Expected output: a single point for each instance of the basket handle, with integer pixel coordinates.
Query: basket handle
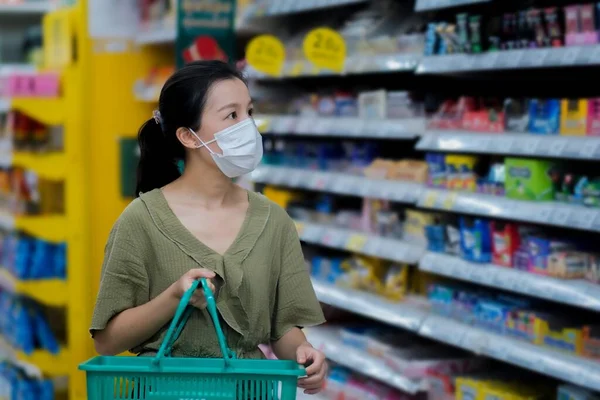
(182, 315)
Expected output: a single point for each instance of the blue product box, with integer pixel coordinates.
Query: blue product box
(544, 116)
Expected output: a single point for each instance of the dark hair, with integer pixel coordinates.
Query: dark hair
(180, 104)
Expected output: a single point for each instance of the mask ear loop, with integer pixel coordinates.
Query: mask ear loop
(203, 143)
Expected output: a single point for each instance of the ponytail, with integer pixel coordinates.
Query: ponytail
(181, 103)
(157, 166)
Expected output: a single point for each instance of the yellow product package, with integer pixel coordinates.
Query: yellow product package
(362, 273)
(395, 285)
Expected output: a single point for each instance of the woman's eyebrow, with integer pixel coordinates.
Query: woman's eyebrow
(230, 105)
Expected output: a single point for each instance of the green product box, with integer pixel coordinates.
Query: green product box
(529, 179)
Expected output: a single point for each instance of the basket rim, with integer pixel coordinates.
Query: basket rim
(149, 367)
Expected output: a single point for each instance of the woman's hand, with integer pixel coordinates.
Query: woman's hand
(316, 368)
(185, 283)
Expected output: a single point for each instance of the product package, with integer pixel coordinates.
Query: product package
(544, 116)
(528, 179)
(574, 117)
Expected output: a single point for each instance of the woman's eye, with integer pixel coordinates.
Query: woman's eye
(250, 112)
(233, 115)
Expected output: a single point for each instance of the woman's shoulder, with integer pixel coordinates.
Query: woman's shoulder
(135, 215)
(276, 212)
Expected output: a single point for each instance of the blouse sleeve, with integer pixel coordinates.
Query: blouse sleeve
(124, 281)
(296, 303)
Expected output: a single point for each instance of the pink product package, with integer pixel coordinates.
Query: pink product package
(593, 122)
(580, 25)
(33, 85)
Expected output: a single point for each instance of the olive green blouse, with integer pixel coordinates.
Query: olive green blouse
(264, 288)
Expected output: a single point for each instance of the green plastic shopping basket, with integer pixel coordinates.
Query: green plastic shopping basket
(167, 378)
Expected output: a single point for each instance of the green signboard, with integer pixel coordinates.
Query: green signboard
(205, 30)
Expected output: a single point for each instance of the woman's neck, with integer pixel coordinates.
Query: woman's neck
(204, 186)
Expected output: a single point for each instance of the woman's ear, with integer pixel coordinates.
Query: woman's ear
(187, 138)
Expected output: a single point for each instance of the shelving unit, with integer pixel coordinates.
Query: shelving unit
(351, 185)
(341, 126)
(414, 314)
(576, 370)
(29, 7)
(63, 28)
(326, 339)
(518, 144)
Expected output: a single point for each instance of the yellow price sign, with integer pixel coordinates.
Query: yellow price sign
(356, 242)
(325, 48)
(430, 199)
(449, 201)
(266, 54)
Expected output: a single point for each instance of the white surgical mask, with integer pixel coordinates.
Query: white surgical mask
(241, 145)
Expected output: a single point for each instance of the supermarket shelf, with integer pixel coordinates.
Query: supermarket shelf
(546, 361)
(400, 315)
(51, 365)
(275, 8)
(542, 360)
(156, 35)
(358, 242)
(50, 111)
(27, 7)
(519, 144)
(382, 63)
(512, 59)
(427, 5)
(51, 228)
(407, 192)
(409, 128)
(376, 63)
(50, 292)
(327, 340)
(47, 165)
(547, 213)
(577, 293)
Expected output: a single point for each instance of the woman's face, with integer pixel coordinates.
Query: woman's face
(228, 102)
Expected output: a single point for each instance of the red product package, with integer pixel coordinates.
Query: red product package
(204, 48)
(505, 242)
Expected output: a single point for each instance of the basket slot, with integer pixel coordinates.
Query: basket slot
(160, 386)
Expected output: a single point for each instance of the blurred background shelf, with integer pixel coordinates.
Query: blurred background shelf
(47, 111)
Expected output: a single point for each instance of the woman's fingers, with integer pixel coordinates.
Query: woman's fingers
(200, 273)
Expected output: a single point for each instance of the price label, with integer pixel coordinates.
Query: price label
(589, 150)
(581, 218)
(500, 145)
(320, 182)
(430, 199)
(560, 215)
(333, 238)
(555, 57)
(358, 128)
(356, 242)
(312, 233)
(449, 202)
(325, 48)
(594, 55)
(489, 61)
(570, 55)
(295, 178)
(300, 228)
(266, 54)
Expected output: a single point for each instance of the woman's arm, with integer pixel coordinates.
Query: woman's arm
(294, 346)
(134, 326)
(286, 348)
(131, 327)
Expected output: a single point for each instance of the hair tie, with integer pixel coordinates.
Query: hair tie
(157, 117)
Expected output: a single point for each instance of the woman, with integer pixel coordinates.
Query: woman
(195, 224)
